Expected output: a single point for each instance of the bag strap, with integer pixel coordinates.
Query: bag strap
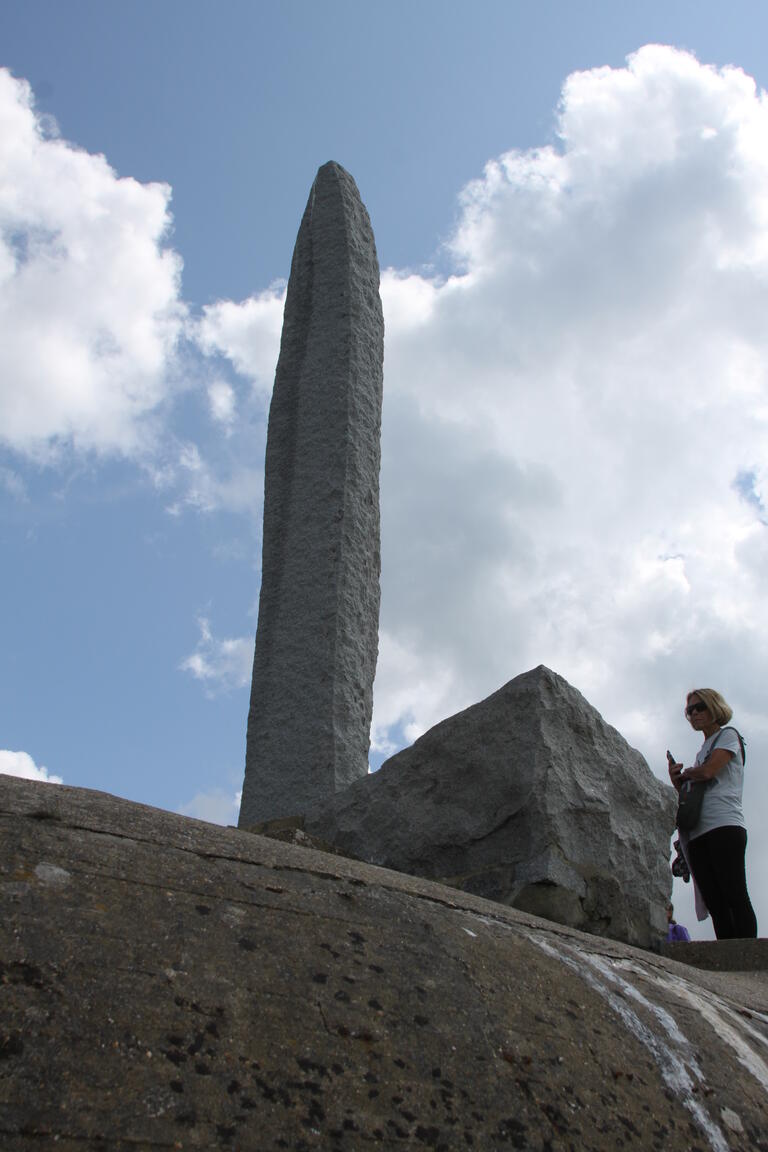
(742, 742)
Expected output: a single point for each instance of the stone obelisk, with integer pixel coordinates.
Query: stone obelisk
(317, 636)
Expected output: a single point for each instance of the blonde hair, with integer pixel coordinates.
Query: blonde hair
(718, 707)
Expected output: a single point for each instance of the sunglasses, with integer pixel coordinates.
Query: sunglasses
(695, 708)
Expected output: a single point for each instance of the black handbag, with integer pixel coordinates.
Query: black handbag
(689, 802)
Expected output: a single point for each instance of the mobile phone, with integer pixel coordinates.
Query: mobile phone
(670, 757)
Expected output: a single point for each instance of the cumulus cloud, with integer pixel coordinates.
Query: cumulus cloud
(247, 334)
(21, 764)
(89, 294)
(574, 420)
(221, 665)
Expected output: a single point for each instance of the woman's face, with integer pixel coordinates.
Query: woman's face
(697, 712)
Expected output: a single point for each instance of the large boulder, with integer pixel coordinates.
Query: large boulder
(167, 984)
(528, 798)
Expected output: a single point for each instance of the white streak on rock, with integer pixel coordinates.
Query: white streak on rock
(607, 968)
(52, 874)
(671, 1064)
(715, 1015)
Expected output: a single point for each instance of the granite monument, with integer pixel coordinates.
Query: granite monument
(317, 635)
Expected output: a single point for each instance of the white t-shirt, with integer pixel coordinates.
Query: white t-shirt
(721, 805)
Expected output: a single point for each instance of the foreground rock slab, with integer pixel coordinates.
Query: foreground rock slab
(317, 636)
(528, 798)
(172, 984)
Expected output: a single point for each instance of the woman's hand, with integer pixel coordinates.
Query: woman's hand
(675, 774)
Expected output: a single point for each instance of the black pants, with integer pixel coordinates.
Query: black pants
(717, 863)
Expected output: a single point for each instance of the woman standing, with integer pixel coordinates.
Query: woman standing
(716, 846)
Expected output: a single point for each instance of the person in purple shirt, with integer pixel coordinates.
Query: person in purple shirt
(676, 933)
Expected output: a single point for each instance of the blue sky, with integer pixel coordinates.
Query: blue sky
(573, 235)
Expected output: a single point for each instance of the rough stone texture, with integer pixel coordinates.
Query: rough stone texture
(171, 984)
(317, 637)
(720, 955)
(528, 798)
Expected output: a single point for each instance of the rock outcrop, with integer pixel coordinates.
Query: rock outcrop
(170, 984)
(528, 798)
(317, 636)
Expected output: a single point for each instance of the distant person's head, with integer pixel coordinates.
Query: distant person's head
(714, 704)
(670, 913)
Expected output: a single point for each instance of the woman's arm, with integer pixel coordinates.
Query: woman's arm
(711, 767)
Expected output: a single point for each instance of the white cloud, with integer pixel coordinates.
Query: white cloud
(89, 305)
(222, 402)
(13, 483)
(21, 764)
(235, 487)
(221, 665)
(566, 417)
(409, 695)
(216, 806)
(248, 334)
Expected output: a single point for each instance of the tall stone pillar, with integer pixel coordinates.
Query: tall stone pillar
(317, 636)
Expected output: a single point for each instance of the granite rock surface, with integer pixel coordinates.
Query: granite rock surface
(528, 798)
(170, 984)
(317, 635)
